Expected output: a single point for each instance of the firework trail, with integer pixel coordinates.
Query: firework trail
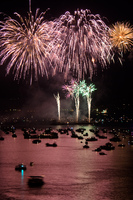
(82, 43)
(25, 45)
(121, 36)
(57, 98)
(87, 91)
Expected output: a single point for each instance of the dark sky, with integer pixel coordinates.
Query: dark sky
(113, 10)
(114, 85)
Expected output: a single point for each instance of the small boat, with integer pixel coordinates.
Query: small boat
(36, 141)
(97, 149)
(31, 163)
(80, 137)
(101, 136)
(86, 146)
(20, 167)
(74, 135)
(102, 153)
(1, 138)
(14, 135)
(51, 145)
(91, 139)
(121, 145)
(115, 139)
(81, 130)
(35, 181)
(108, 146)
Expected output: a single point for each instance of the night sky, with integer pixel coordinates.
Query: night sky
(114, 84)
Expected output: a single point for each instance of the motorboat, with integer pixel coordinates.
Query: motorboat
(74, 135)
(35, 181)
(31, 163)
(36, 141)
(20, 167)
(86, 146)
(102, 136)
(81, 130)
(102, 153)
(97, 149)
(1, 138)
(108, 146)
(115, 139)
(121, 145)
(51, 145)
(80, 137)
(14, 135)
(91, 139)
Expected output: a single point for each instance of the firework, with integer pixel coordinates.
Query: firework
(121, 36)
(87, 91)
(73, 91)
(25, 45)
(82, 43)
(57, 98)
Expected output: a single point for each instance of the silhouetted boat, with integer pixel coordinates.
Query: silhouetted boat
(102, 153)
(31, 163)
(80, 137)
(97, 149)
(20, 167)
(51, 145)
(14, 135)
(86, 146)
(81, 130)
(115, 139)
(91, 139)
(1, 138)
(108, 146)
(121, 145)
(35, 181)
(36, 141)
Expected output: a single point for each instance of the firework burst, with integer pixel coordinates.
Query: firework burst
(121, 36)
(82, 43)
(25, 45)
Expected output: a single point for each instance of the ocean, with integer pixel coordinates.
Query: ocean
(70, 171)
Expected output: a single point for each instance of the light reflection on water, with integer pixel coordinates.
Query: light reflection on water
(71, 172)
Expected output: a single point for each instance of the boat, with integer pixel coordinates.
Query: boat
(80, 137)
(35, 181)
(102, 153)
(86, 146)
(115, 139)
(36, 141)
(101, 136)
(20, 167)
(81, 130)
(14, 135)
(108, 146)
(51, 145)
(74, 135)
(91, 139)
(31, 163)
(1, 138)
(121, 145)
(97, 149)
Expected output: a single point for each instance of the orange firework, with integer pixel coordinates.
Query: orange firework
(121, 36)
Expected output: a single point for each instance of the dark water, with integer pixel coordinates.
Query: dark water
(71, 172)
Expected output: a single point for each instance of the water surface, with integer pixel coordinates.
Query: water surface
(71, 172)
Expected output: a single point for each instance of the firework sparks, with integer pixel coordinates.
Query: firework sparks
(25, 45)
(121, 36)
(73, 91)
(57, 98)
(87, 91)
(82, 43)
